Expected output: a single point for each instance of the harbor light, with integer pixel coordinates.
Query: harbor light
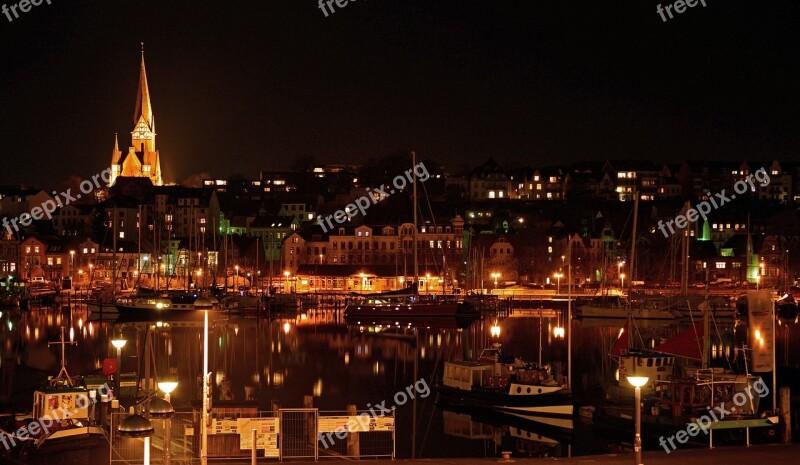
(495, 330)
(119, 343)
(637, 382)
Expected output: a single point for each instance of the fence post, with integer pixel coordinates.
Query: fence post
(308, 402)
(353, 447)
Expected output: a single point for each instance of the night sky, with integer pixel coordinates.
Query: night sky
(244, 86)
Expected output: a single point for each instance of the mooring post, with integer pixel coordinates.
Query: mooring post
(254, 449)
(786, 414)
(353, 446)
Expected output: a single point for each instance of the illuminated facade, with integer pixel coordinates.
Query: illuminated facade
(142, 158)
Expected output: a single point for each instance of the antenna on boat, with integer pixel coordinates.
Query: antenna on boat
(63, 375)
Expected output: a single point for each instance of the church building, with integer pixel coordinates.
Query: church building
(141, 158)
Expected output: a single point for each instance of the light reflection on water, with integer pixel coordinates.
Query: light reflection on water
(282, 359)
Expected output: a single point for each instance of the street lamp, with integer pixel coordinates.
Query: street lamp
(495, 276)
(637, 382)
(162, 408)
(622, 278)
(558, 277)
(137, 426)
(71, 263)
(495, 330)
(119, 343)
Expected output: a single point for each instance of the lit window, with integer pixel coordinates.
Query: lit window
(491, 194)
(720, 265)
(549, 250)
(366, 233)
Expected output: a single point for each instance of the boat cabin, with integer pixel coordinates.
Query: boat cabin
(61, 404)
(654, 365)
(466, 375)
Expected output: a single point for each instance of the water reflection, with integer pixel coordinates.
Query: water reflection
(281, 359)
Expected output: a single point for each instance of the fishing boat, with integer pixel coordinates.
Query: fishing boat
(506, 384)
(679, 392)
(66, 407)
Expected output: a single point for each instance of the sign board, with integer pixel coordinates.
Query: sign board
(355, 424)
(267, 430)
(223, 427)
(760, 309)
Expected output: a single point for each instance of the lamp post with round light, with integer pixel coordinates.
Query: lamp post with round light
(119, 343)
(162, 409)
(637, 382)
(137, 426)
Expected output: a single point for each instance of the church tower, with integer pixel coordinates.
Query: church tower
(142, 158)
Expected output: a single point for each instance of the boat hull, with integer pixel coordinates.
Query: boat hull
(555, 403)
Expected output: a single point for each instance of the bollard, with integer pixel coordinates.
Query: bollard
(254, 449)
(353, 446)
(786, 414)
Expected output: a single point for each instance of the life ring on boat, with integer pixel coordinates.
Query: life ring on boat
(491, 381)
(502, 382)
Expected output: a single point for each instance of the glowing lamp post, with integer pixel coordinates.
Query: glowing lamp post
(622, 280)
(137, 426)
(558, 277)
(495, 276)
(119, 343)
(495, 330)
(637, 382)
(163, 409)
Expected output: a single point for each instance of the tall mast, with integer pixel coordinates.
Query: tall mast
(113, 252)
(633, 242)
(414, 207)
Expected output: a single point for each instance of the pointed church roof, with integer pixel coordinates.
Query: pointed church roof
(143, 108)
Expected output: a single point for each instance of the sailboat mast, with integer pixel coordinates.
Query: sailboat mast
(113, 252)
(414, 207)
(633, 242)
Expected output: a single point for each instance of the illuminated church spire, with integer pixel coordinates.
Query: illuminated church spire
(143, 131)
(142, 158)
